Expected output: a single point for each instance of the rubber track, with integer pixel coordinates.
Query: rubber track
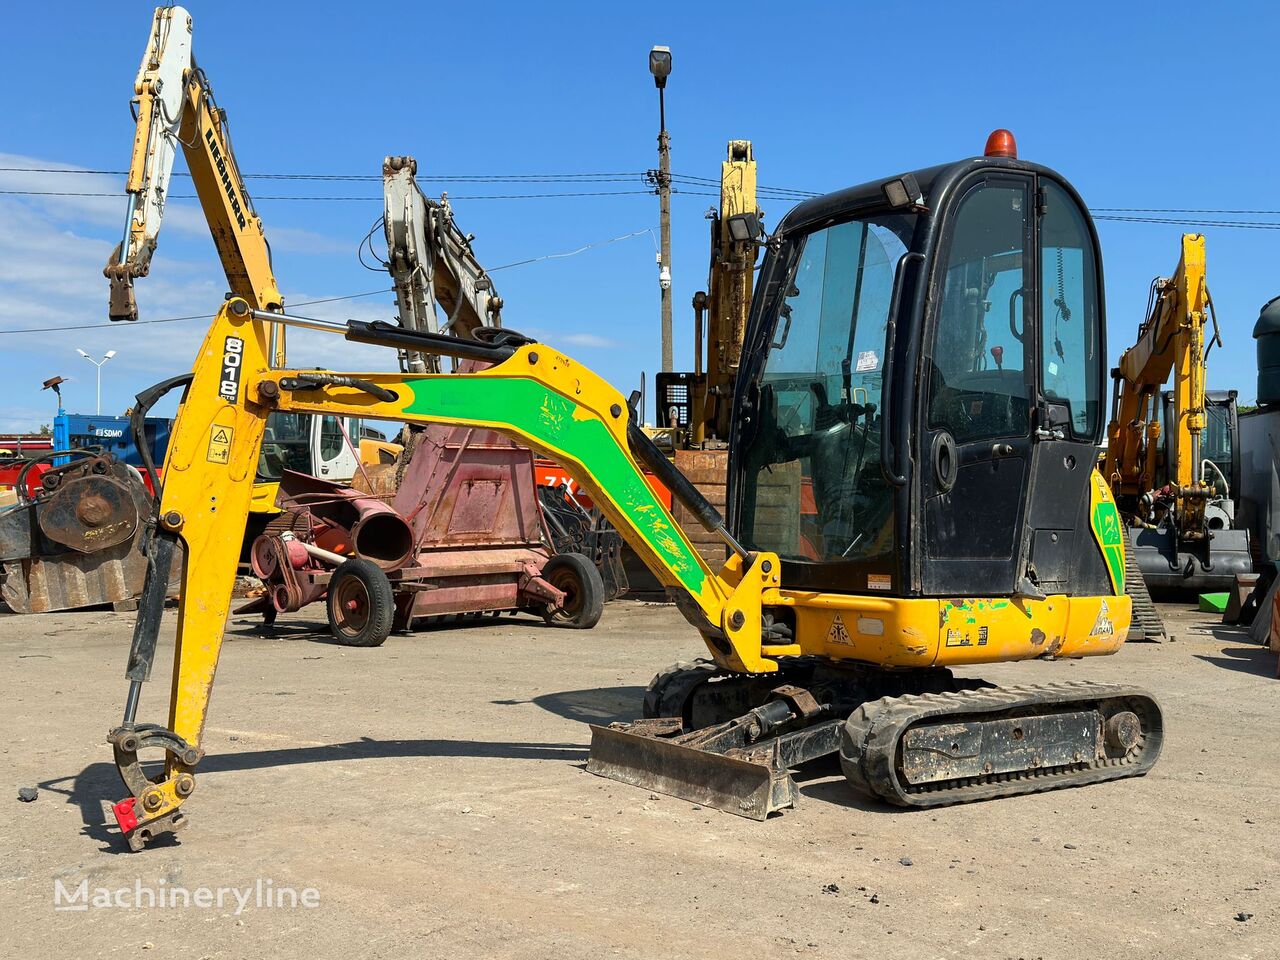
(1146, 623)
(670, 690)
(872, 734)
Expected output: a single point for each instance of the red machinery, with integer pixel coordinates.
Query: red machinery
(10, 468)
(463, 533)
(72, 538)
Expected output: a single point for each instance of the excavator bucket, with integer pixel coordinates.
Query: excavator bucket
(123, 304)
(1213, 565)
(42, 584)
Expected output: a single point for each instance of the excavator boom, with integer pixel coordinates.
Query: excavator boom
(431, 261)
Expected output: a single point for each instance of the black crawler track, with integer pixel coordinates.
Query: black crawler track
(871, 751)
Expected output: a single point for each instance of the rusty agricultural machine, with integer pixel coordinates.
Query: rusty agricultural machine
(75, 539)
(466, 530)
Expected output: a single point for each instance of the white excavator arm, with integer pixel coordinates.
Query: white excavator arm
(175, 109)
(431, 263)
(158, 102)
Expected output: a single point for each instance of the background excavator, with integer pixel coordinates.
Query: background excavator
(695, 408)
(957, 516)
(432, 265)
(1171, 455)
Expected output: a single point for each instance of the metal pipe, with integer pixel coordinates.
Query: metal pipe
(309, 323)
(320, 553)
(131, 702)
(355, 452)
(128, 227)
(273, 347)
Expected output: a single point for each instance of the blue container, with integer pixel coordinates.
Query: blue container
(112, 434)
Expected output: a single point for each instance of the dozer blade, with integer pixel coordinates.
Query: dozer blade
(638, 754)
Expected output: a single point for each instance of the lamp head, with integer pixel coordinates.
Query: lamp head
(660, 65)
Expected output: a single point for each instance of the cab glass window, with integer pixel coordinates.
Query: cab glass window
(331, 440)
(1069, 363)
(813, 486)
(977, 386)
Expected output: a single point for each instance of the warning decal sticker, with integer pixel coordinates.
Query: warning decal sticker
(838, 632)
(220, 444)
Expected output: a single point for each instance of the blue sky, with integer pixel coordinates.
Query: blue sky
(1139, 107)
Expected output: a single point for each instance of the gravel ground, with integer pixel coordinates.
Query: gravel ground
(432, 795)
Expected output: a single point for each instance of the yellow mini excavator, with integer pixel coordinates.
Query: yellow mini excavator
(915, 425)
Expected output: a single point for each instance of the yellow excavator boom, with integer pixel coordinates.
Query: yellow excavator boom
(1171, 341)
(175, 106)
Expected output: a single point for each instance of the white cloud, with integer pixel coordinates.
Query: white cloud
(588, 340)
(52, 251)
(181, 216)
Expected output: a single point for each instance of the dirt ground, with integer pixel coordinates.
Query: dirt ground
(432, 793)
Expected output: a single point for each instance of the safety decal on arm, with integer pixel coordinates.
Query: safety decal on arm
(220, 444)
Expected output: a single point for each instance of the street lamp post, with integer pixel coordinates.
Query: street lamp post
(660, 67)
(98, 363)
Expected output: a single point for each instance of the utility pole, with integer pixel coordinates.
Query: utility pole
(98, 364)
(660, 67)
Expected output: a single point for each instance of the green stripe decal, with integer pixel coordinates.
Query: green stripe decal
(553, 423)
(1108, 531)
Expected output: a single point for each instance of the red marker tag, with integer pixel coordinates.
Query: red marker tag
(125, 815)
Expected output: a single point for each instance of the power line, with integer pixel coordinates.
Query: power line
(599, 177)
(195, 316)
(351, 296)
(708, 181)
(690, 189)
(1230, 224)
(486, 196)
(371, 178)
(1258, 213)
(573, 253)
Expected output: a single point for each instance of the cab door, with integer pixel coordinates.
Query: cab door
(333, 457)
(1061, 555)
(978, 381)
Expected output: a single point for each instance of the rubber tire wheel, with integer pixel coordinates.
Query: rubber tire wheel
(584, 591)
(366, 581)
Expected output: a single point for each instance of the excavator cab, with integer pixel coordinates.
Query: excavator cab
(918, 412)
